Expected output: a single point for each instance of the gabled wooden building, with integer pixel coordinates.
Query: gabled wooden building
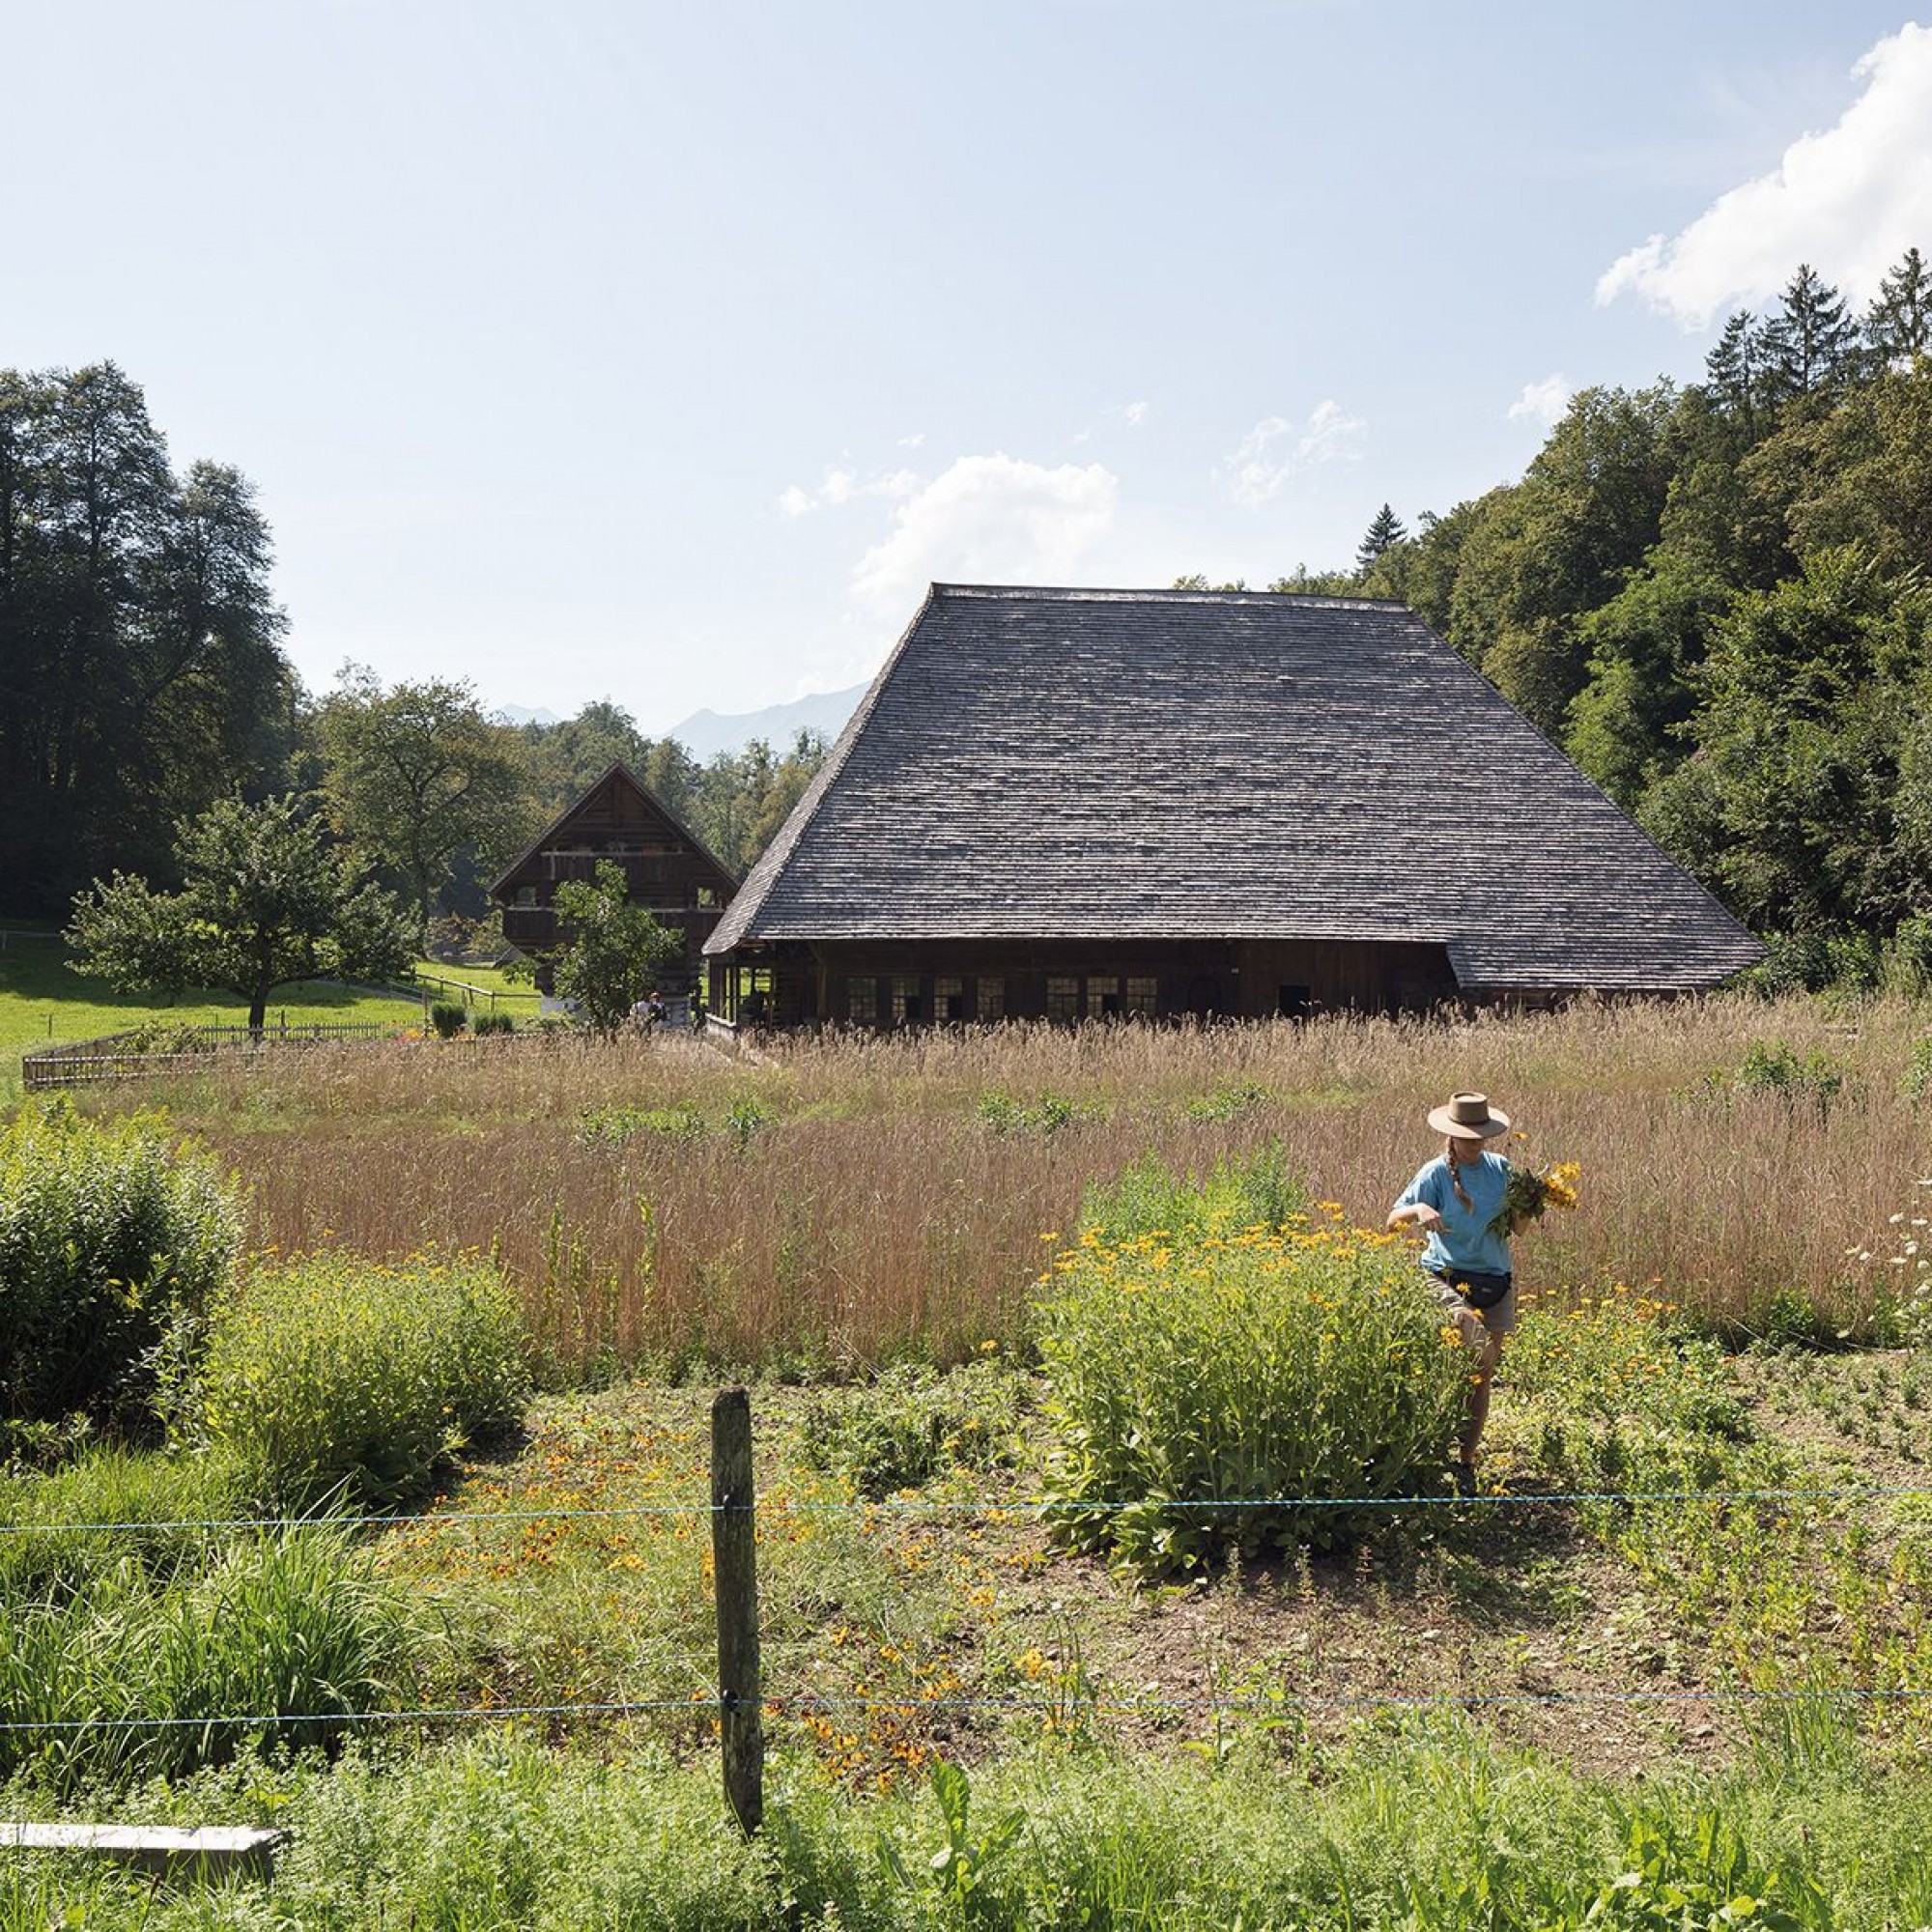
(1081, 803)
(666, 868)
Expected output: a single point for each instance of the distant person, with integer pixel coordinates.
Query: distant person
(654, 1011)
(1456, 1202)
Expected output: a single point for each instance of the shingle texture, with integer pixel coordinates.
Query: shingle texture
(1114, 764)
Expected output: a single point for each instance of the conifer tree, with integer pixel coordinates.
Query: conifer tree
(1899, 325)
(1812, 343)
(1384, 532)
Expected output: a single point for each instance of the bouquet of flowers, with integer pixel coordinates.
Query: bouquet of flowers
(1527, 1193)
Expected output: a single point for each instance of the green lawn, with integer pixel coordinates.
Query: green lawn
(42, 1004)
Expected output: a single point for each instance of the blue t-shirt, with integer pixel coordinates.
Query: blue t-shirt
(1464, 1240)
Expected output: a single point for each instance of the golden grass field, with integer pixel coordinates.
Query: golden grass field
(841, 1200)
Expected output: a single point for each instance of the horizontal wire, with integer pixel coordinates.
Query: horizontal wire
(809, 1704)
(1046, 1506)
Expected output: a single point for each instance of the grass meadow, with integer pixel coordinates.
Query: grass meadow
(1672, 1668)
(834, 1204)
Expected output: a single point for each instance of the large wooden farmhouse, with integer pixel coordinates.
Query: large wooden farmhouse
(1080, 803)
(665, 868)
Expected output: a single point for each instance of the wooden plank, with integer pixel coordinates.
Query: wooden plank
(243, 1850)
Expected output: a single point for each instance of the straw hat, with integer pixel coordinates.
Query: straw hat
(1468, 1117)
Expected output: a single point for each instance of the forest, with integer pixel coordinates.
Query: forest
(1714, 599)
(142, 677)
(1713, 596)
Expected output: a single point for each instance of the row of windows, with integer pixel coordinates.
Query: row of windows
(899, 999)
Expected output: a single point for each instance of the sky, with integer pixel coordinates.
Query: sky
(609, 349)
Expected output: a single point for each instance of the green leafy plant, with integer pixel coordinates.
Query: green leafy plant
(335, 1374)
(955, 1874)
(910, 1423)
(1259, 1191)
(112, 1246)
(448, 1017)
(1197, 1372)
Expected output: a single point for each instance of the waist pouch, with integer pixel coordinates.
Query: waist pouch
(1480, 1290)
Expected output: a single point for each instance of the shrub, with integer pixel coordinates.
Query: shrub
(1150, 1197)
(1781, 1070)
(448, 1017)
(493, 1023)
(334, 1372)
(1191, 1373)
(111, 1248)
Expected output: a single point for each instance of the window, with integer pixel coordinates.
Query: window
(862, 1002)
(992, 997)
(949, 999)
(1062, 997)
(1103, 996)
(907, 1008)
(707, 896)
(1142, 994)
(526, 895)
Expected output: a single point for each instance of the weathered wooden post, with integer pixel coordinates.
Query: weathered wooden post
(735, 1571)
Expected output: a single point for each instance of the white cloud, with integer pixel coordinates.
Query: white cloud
(1848, 201)
(1264, 460)
(988, 519)
(1543, 402)
(841, 487)
(1135, 413)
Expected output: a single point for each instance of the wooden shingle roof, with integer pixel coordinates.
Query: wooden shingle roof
(1142, 764)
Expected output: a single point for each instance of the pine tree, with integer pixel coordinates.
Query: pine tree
(1734, 369)
(1387, 530)
(1899, 325)
(1812, 343)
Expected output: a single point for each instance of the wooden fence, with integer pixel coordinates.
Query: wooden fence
(129, 1056)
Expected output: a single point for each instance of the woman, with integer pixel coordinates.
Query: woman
(1457, 1200)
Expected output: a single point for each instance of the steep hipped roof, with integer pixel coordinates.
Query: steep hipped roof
(1162, 764)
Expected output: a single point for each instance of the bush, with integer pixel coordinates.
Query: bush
(1150, 1197)
(1782, 1070)
(1192, 1370)
(448, 1017)
(112, 1247)
(334, 1372)
(492, 1022)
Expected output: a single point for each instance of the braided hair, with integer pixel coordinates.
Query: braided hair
(1452, 1154)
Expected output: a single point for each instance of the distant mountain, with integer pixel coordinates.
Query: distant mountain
(706, 733)
(518, 713)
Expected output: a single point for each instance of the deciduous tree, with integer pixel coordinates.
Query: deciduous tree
(266, 899)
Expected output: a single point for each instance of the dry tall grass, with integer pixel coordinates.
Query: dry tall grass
(878, 1209)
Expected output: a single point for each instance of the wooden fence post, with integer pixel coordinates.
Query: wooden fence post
(735, 1573)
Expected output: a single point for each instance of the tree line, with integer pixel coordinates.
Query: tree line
(143, 680)
(1715, 598)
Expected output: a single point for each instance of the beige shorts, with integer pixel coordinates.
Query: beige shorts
(1499, 1321)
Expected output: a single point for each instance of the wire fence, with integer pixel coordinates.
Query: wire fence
(1042, 1507)
(736, 1707)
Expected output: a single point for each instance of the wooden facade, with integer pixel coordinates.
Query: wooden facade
(936, 982)
(619, 820)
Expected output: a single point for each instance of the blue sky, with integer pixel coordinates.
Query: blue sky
(664, 354)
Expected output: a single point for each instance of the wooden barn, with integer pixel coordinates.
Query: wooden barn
(1083, 804)
(664, 867)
